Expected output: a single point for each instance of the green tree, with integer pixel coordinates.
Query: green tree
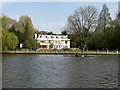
(64, 32)
(7, 22)
(117, 27)
(17, 30)
(31, 44)
(9, 40)
(104, 19)
(28, 28)
(50, 33)
(29, 32)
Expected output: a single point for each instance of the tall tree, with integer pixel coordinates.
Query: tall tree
(7, 22)
(104, 19)
(28, 28)
(117, 23)
(9, 40)
(81, 23)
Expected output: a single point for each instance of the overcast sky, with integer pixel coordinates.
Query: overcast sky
(51, 16)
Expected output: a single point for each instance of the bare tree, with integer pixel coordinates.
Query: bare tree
(81, 24)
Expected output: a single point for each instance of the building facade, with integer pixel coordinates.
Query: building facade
(53, 41)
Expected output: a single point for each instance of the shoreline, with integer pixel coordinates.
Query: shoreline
(61, 52)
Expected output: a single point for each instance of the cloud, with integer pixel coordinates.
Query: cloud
(55, 27)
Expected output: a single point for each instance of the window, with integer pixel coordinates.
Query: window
(65, 42)
(42, 41)
(51, 42)
(51, 36)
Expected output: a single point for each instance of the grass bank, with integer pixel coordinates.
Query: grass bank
(112, 52)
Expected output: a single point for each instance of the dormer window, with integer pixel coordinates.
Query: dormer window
(51, 36)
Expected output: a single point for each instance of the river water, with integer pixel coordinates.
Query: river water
(59, 71)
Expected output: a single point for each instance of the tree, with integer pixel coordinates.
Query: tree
(31, 44)
(7, 22)
(64, 32)
(50, 33)
(117, 27)
(17, 30)
(28, 28)
(104, 19)
(9, 40)
(29, 32)
(81, 24)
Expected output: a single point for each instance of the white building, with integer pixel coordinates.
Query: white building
(53, 41)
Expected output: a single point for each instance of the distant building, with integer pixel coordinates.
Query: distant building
(53, 41)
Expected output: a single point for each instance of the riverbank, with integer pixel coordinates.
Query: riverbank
(64, 52)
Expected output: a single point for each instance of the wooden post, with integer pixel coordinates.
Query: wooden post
(117, 51)
(97, 50)
(107, 51)
(87, 50)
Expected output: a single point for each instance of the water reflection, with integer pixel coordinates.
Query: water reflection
(57, 71)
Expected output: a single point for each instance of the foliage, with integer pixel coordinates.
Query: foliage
(64, 32)
(29, 32)
(117, 27)
(50, 33)
(28, 28)
(87, 30)
(104, 19)
(15, 33)
(7, 22)
(9, 40)
(31, 44)
(104, 39)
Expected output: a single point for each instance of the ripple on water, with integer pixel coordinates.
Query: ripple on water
(57, 71)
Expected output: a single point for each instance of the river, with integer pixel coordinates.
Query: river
(59, 71)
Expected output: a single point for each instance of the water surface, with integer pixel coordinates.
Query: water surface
(58, 71)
